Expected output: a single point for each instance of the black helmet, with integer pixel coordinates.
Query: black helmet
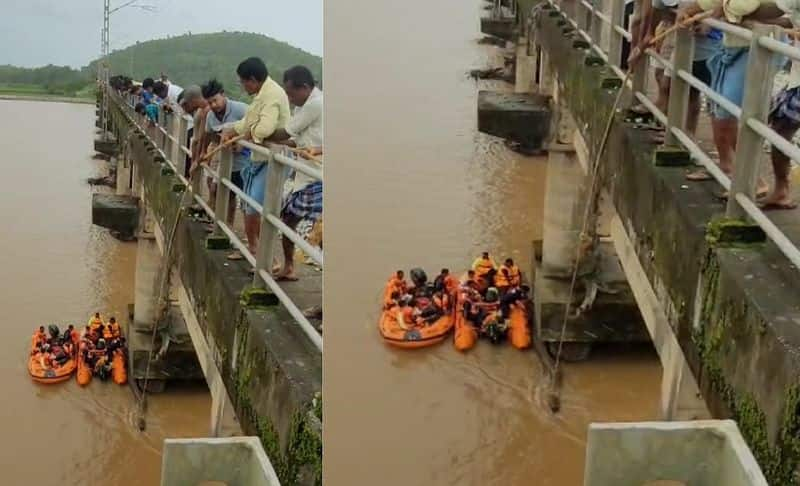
(418, 276)
(53, 330)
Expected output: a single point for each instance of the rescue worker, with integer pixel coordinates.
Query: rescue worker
(471, 299)
(40, 336)
(514, 275)
(108, 335)
(45, 358)
(484, 268)
(393, 301)
(113, 325)
(89, 334)
(405, 314)
(512, 297)
(398, 282)
(95, 323)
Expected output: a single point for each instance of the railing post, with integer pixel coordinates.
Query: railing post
(639, 72)
(175, 148)
(223, 192)
(273, 197)
(761, 70)
(182, 135)
(679, 89)
(596, 23)
(615, 39)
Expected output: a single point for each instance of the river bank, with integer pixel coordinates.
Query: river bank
(45, 97)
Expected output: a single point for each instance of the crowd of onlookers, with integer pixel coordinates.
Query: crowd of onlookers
(720, 61)
(286, 117)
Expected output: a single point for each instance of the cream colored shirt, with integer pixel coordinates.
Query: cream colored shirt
(305, 127)
(268, 112)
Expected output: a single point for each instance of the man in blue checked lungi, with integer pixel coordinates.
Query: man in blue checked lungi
(304, 131)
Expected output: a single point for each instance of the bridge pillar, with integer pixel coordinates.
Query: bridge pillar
(565, 203)
(526, 68)
(124, 170)
(148, 262)
(223, 416)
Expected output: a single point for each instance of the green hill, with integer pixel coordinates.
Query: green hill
(187, 59)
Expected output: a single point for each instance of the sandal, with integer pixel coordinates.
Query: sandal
(776, 206)
(698, 175)
(236, 255)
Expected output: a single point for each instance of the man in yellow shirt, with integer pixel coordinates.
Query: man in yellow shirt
(268, 112)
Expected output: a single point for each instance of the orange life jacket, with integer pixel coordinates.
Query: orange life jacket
(76, 336)
(115, 330)
(40, 337)
(500, 279)
(482, 266)
(513, 275)
(107, 334)
(398, 284)
(450, 284)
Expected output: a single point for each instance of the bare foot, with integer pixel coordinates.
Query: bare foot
(286, 276)
(777, 201)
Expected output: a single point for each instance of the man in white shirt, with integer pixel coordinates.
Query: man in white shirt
(304, 131)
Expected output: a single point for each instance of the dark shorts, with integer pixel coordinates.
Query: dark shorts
(786, 107)
(700, 71)
(626, 45)
(236, 178)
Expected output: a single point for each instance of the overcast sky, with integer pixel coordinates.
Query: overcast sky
(67, 32)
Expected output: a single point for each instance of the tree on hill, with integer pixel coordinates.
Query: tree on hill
(195, 58)
(187, 59)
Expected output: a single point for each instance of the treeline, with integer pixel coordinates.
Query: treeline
(187, 59)
(51, 79)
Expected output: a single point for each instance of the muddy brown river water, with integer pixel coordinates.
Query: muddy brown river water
(58, 268)
(418, 186)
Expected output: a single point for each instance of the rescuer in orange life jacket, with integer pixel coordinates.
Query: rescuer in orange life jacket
(485, 269)
(508, 276)
(398, 282)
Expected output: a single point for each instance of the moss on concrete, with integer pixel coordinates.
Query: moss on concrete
(721, 320)
(733, 232)
(258, 298)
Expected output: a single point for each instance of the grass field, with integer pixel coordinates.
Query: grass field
(32, 91)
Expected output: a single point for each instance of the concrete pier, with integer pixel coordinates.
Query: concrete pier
(519, 117)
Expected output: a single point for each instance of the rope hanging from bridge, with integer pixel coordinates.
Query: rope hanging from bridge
(586, 243)
(162, 298)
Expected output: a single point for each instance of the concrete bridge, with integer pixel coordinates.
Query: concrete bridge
(244, 334)
(712, 284)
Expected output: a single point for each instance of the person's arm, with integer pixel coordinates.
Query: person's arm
(281, 136)
(267, 123)
(310, 113)
(769, 13)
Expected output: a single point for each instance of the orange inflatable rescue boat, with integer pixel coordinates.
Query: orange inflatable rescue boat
(44, 368)
(414, 316)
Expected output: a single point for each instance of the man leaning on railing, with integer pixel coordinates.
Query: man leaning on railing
(304, 131)
(729, 68)
(268, 112)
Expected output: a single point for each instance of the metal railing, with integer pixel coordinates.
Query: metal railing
(172, 142)
(764, 52)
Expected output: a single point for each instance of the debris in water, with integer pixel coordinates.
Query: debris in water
(488, 73)
(492, 41)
